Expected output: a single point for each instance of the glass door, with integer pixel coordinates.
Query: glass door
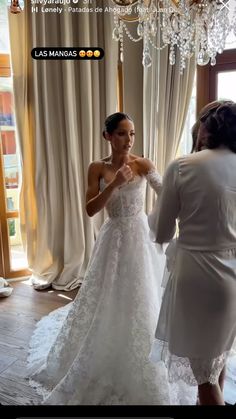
(225, 81)
(13, 262)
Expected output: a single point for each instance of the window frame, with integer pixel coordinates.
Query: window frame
(5, 260)
(207, 77)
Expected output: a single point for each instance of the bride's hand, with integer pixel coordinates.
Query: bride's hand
(123, 175)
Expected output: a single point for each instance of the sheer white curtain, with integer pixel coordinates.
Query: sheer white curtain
(166, 100)
(60, 111)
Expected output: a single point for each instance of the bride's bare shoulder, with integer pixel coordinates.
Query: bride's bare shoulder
(95, 168)
(98, 167)
(145, 165)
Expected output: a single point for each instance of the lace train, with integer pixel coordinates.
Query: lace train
(95, 350)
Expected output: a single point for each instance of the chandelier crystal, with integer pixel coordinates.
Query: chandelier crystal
(198, 27)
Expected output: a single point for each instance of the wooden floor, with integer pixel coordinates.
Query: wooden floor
(18, 315)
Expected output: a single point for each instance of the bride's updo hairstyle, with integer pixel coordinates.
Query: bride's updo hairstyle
(221, 127)
(112, 122)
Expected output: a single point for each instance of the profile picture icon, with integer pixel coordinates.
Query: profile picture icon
(16, 6)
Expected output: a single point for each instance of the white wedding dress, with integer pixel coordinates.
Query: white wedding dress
(95, 350)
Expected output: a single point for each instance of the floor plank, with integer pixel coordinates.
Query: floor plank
(16, 393)
(6, 361)
(25, 332)
(19, 314)
(16, 371)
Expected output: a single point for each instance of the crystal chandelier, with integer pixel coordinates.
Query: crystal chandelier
(197, 27)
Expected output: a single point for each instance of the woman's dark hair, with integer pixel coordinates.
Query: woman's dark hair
(194, 132)
(112, 122)
(221, 126)
(205, 112)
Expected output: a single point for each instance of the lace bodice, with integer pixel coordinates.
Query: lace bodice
(128, 200)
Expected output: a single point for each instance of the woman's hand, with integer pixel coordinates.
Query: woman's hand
(122, 176)
(95, 200)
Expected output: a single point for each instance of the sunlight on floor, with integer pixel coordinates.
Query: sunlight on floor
(64, 296)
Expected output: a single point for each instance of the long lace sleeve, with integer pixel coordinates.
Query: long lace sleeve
(162, 220)
(154, 179)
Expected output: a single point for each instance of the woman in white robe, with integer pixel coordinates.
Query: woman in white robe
(197, 323)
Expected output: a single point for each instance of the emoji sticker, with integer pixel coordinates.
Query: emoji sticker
(97, 53)
(89, 53)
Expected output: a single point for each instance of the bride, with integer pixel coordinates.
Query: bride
(96, 349)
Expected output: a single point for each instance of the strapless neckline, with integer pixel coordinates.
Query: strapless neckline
(135, 179)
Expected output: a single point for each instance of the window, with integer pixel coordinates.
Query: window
(13, 261)
(212, 83)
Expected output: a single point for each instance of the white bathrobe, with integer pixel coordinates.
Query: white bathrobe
(197, 323)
